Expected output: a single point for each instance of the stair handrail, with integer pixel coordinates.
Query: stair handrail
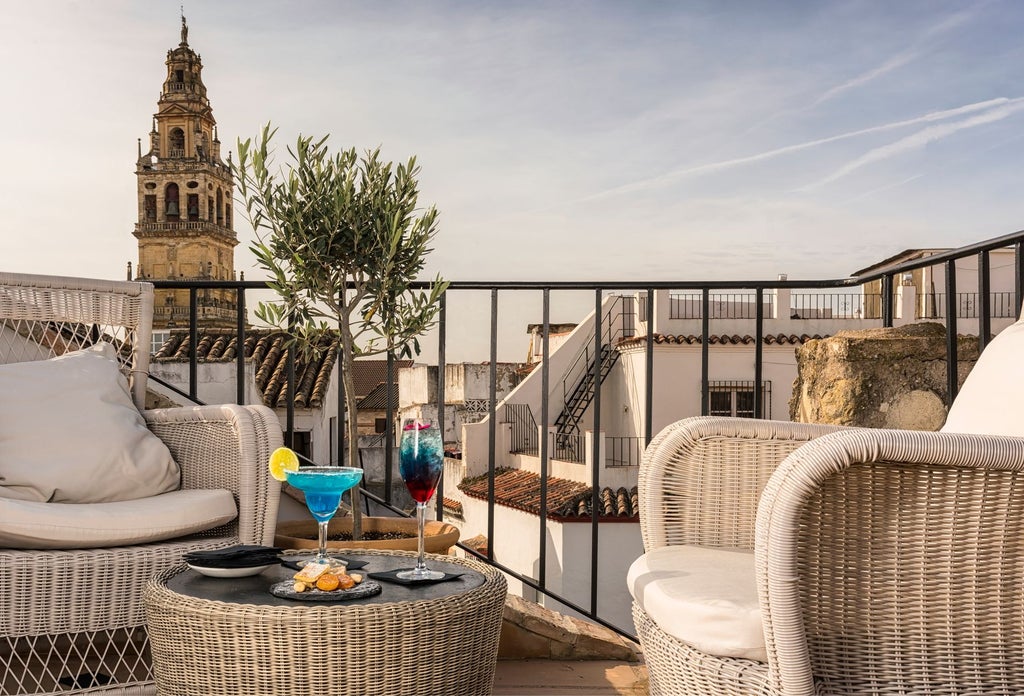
(581, 365)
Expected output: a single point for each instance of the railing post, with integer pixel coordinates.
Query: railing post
(441, 328)
(758, 352)
(649, 372)
(1018, 277)
(984, 300)
(887, 301)
(240, 342)
(705, 310)
(952, 368)
(389, 427)
(193, 339)
(596, 479)
(491, 417)
(545, 374)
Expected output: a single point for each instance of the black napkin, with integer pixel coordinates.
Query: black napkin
(294, 565)
(238, 556)
(392, 576)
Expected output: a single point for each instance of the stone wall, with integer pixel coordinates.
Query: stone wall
(878, 378)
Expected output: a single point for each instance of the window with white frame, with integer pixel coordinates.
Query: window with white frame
(736, 398)
(159, 338)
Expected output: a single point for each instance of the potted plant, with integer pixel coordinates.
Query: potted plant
(344, 243)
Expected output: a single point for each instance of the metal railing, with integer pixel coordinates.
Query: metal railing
(537, 577)
(690, 305)
(524, 429)
(832, 305)
(623, 451)
(568, 447)
(933, 305)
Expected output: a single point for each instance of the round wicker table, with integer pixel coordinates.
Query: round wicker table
(231, 636)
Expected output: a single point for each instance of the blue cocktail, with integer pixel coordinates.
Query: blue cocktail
(323, 487)
(421, 461)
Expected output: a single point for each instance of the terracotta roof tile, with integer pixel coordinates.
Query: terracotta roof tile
(452, 508)
(520, 489)
(266, 351)
(377, 399)
(368, 374)
(719, 339)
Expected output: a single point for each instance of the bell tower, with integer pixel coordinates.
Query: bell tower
(185, 228)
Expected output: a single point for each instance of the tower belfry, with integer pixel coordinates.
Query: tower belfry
(185, 228)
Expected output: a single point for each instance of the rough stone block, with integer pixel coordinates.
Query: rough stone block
(879, 378)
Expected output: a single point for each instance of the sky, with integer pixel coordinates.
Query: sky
(560, 140)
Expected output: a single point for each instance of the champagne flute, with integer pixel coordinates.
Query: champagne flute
(421, 461)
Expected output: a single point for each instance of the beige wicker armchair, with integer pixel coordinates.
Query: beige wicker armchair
(884, 561)
(72, 620)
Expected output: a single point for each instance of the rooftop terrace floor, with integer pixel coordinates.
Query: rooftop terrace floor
(555, 678)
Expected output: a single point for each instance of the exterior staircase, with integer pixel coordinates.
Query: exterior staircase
(581, 394)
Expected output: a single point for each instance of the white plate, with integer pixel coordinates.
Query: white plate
(229, 572)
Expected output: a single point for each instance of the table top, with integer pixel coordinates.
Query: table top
(255, 589)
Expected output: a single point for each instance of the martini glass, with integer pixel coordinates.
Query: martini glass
(323, 487)
(421, 460)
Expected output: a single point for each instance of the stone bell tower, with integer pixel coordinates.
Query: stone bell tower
(185, 228)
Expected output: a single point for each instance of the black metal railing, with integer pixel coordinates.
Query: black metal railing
(623, 451)
(524, 429)
(1002, 305)
(690, 305)
(568, 447)
(536, 577)
(832, 305)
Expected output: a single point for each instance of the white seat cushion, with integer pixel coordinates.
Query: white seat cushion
(991, 400)
(705, 597)
(32, 525)
(70, 433)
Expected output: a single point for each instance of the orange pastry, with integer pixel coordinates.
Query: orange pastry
(328, 582)
(346, 582)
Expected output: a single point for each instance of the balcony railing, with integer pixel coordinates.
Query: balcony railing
(986, 305)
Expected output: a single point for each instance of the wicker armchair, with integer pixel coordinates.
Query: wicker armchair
(884, 561)
(73, 619)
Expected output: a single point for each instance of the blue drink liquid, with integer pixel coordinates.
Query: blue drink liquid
(421, 460)
(323, 486)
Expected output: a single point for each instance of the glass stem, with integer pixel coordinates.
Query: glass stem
(321, 537)
(421, 518)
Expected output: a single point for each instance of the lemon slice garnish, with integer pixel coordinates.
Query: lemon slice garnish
(282, 460)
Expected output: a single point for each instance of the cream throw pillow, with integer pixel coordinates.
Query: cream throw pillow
(70, 433)
(989, 401)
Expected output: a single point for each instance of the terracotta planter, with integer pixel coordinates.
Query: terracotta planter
(301, 534)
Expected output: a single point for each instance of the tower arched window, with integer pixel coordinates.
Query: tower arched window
(220, 207)
(172, 209)
(177, 142)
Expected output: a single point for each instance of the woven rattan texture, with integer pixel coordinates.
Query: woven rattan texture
(444, 646)
(72, 620)
(888, 562)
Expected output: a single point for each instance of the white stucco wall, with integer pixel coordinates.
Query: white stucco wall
(516, 545)
(677, 378)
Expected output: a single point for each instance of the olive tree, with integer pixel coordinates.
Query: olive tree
(344, 244)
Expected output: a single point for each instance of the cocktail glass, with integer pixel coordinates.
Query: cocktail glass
(421, 460)
(323, 487)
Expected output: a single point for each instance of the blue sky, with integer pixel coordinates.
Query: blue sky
(559, 140)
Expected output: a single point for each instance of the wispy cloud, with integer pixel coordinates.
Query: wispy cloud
(902, 58)
(921, 138)
(667, 177)
(897, 61)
